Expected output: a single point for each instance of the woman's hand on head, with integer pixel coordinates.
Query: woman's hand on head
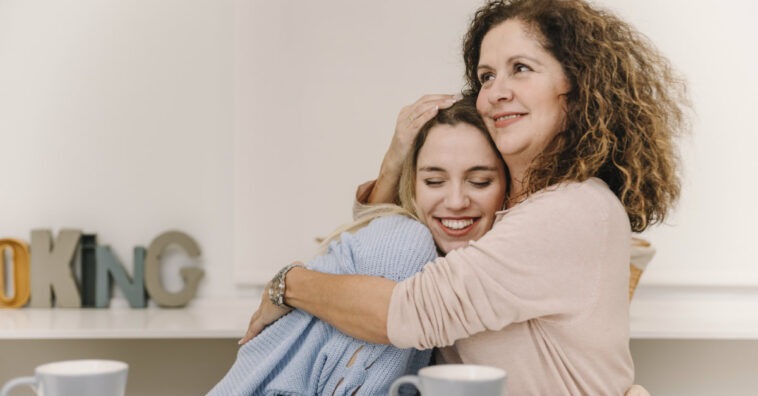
(412, 118)
(409, 123)
(266, 314)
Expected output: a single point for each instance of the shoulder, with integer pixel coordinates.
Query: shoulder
(393, 226)
(393, 246)
(571, 214)
(589, 200)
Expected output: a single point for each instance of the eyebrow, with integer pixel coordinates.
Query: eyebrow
(472, 169)
(510, 60)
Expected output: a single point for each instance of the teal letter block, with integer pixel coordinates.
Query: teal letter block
(109, 267)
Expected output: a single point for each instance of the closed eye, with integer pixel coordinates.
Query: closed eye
(481, 184)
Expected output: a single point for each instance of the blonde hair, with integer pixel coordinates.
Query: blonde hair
(464, 111)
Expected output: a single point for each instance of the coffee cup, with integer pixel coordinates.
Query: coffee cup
(75, 377)
(455, 380)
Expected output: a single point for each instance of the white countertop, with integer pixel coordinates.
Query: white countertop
(695, 312)
(220, 318)
(655, 313)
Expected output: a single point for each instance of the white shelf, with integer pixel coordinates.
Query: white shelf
(200, 319)
(656, 312)
(694, 312)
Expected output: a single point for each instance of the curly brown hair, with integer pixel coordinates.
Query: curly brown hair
(625, 108)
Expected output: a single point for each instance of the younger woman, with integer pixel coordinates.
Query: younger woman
(453, 181)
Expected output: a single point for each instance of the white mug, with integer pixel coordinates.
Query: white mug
(75, 378)
(455, 380)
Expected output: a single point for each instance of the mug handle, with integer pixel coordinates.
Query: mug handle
(395, 388)
(31, 381)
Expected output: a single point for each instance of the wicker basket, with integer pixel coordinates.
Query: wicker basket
(642, 253)
(634, 278)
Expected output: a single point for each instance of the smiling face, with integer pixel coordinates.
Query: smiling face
(459, 185)
(522, 96)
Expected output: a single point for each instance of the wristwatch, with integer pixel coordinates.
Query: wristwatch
(277, 287)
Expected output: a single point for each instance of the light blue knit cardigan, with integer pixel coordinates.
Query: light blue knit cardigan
(302, 355)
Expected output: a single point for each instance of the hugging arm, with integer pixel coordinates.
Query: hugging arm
(390, 249)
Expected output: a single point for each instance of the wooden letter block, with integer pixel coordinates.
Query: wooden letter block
(20, 267)
(51, 269)
(190, 275)
(108, 266)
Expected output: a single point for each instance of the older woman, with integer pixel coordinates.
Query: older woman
(584, 112)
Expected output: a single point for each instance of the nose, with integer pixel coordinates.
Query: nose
(457, 199)
(500, 90)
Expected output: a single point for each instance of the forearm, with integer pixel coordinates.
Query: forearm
(385, 188)
(357, 305)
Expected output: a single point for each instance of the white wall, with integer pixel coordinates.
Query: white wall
(708, 240)
(319, 85)
(130, 118)
(116, 117)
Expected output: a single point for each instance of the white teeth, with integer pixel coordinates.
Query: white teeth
(507, 117)
(457, 224)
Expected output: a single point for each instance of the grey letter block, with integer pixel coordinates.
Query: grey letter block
(190, 275)
(108, 264)
(51, 269)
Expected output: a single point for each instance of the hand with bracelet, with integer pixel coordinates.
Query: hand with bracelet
(272, 305)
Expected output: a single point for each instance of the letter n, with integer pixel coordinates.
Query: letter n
(109, 267)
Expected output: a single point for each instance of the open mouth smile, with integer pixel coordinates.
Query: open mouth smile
(502, 120)
(457, 226)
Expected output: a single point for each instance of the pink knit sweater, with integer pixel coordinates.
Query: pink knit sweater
(543, 295)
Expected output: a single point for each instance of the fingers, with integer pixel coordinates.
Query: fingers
(414, 116)
(439, 98)
(427, 105)
(252, 329)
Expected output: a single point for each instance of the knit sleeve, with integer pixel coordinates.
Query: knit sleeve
(541, 260)
(394, 247)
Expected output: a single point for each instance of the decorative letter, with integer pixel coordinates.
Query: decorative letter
(51, 269)
(88, 266)
(191, 276)
(134, 290)
(20, 266)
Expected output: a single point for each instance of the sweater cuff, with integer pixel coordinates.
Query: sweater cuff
(361, 198)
